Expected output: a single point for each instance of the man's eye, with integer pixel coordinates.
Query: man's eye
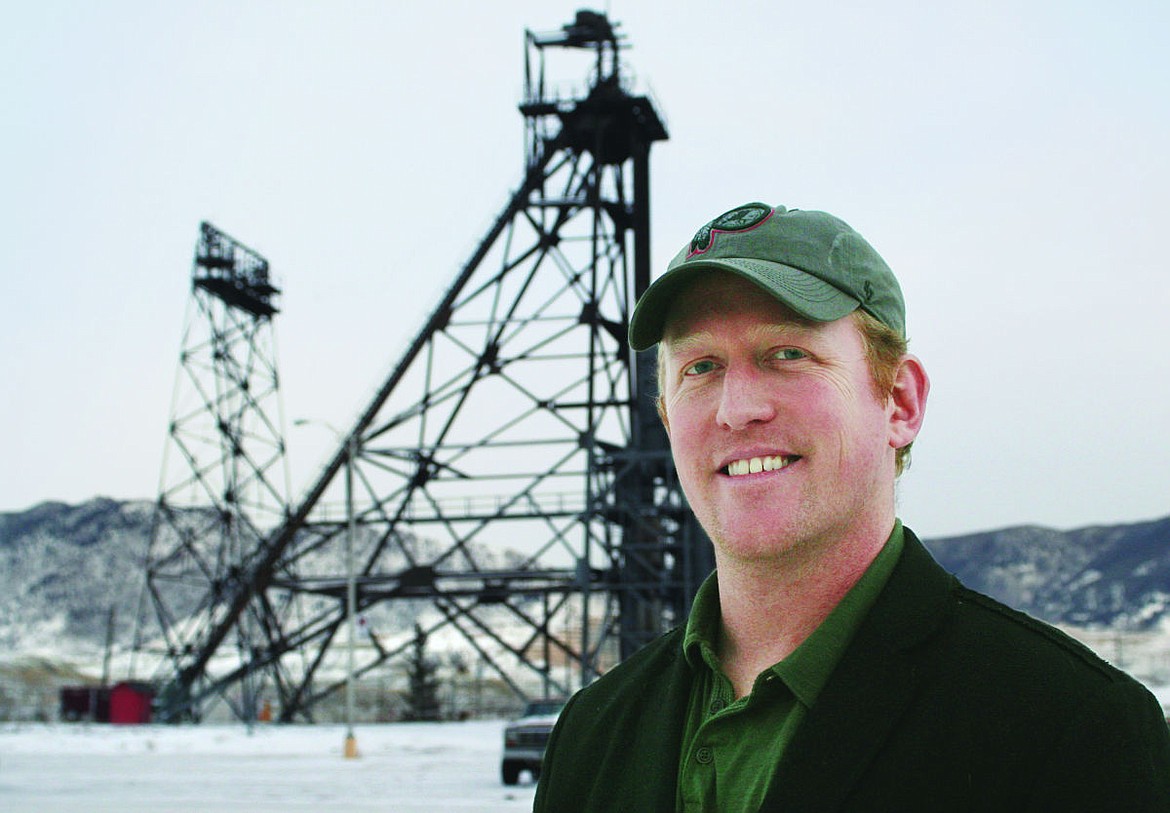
(789, 354)
(699, 368)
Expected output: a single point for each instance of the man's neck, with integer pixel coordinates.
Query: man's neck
(768, 610)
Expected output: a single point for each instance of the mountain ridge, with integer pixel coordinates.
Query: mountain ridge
(63, 567)
(1099, 576)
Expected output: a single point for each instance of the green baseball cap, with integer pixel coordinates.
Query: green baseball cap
(811, 261)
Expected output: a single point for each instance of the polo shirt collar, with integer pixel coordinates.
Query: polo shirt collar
(808, 667)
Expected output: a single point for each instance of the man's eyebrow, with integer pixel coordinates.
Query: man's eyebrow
(769, 331)
(688, 342)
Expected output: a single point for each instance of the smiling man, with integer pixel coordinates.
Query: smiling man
(829, 663)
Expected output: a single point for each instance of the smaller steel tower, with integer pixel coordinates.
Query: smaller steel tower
(224, 481)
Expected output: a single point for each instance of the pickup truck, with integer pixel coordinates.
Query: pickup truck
(525, 739)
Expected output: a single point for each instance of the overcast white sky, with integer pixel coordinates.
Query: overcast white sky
(1009, 160)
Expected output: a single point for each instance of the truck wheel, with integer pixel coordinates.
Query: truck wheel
(510, 772)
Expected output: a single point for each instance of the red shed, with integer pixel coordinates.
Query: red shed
(130, 702)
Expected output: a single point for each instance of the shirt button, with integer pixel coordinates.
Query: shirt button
(704, 756)
(718, 705)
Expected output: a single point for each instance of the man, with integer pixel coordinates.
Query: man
(829, 664)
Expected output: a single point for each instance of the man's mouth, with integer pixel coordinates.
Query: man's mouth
(755, 465)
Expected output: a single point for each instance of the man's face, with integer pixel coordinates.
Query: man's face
(778, 437)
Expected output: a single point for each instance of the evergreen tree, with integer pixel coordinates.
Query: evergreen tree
(422, 700)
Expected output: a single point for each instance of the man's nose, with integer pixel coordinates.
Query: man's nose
(745, 399)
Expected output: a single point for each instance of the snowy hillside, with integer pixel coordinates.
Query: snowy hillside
(65, 569)
(1115, 577)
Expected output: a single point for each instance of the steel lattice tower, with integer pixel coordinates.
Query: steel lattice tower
(511, 484)
(224, 481)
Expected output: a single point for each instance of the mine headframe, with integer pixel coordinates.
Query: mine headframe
(224, 481)
(512, 491)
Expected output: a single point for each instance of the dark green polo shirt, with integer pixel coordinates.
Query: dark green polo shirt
(731, 747)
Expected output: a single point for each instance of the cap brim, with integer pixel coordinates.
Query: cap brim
(809, 296)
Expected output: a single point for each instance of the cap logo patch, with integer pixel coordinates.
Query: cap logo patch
(739, 219)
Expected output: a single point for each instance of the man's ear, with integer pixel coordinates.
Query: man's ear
(661, 404)
(907, 403)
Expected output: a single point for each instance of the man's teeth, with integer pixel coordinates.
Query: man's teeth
(756, 465)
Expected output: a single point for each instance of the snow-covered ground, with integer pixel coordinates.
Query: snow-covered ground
(402, 768)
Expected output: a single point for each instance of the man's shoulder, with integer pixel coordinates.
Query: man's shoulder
(647, 682)
(1018, 646)
(653, 661)
(983, 644)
